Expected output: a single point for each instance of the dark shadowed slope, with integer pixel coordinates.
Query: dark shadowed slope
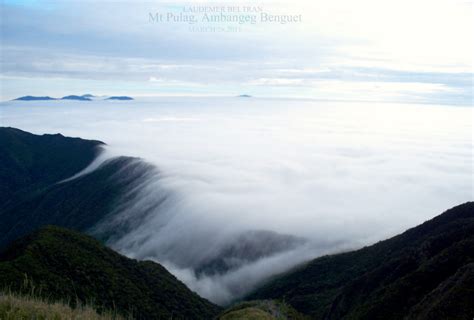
(30, 196)
(425, 273)
(29, 161)
(68, 266)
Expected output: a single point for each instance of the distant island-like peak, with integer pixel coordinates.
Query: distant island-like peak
(84, 97)
(34, 98)
(244, 96)
(79, 98)
(119, 98)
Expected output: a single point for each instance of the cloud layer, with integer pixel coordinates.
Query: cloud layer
(339, 175)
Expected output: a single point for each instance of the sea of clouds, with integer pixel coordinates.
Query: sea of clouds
(338, 174)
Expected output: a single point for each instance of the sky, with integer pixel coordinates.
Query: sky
(404, 51)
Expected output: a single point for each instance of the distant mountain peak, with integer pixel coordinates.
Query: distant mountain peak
(119, 98)
(34, 98)
(84, 97)
(79, 98)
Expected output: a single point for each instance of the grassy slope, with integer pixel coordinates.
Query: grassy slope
(261, 310)
(15, 307)
(67, 265)
(425, 273)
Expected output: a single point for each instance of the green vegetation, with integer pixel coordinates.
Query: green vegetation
(63, 264)
(30, 162)
(15, 307)
(425, 273)
(30, 196)
(261, 310)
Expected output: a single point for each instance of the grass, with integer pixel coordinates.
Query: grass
(16, 307)
(261, 310)
(250, 313)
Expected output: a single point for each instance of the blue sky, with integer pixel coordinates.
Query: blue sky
(404, 51)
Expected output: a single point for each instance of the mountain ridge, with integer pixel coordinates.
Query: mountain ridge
(68, 266)
(389, 279)
(31, 167)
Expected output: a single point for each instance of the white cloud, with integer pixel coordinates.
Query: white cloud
(339, 174)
